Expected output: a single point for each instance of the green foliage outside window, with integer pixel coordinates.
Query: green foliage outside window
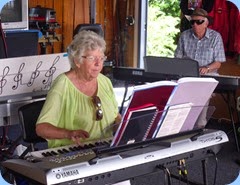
(163, 27)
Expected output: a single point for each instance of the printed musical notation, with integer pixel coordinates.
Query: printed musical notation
(35, 74)
(30, 74)
(18, 77)
(50, 72)
(3, 80)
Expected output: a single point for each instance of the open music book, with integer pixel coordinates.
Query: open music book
(163, 108)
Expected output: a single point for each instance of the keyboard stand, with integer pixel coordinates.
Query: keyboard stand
(231, 97)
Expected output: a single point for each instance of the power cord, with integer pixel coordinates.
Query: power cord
(167, 174)
(182, 170)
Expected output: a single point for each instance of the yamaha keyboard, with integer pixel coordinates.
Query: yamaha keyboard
(137, 75)
(90, 168)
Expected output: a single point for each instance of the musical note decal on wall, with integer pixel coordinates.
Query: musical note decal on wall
(18, 77)
(3, 80)
(50, 72)
(30, 74)
(35, 74)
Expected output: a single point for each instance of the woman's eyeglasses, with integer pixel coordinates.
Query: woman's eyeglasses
(198, 22)
(94, 58)
(97, 102)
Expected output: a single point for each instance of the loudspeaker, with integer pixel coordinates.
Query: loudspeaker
(19, 43)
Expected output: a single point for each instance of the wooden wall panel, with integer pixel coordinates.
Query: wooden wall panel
(67, 22)
(48, 3)
(104, 17)
(81, 12)
(58, 7)
(112, 15)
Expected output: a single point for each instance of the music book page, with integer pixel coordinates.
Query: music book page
(197, 91)
(174, 119)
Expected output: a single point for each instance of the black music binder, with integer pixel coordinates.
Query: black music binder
(138, 125)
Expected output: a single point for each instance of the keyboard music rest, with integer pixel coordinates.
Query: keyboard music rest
(121, 166)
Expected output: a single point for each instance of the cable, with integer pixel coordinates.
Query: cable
(166, 173)
(182, 170)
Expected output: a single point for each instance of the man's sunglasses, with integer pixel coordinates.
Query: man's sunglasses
(198, 22)
(97, 102)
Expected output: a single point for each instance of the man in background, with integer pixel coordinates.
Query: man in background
(203, 45)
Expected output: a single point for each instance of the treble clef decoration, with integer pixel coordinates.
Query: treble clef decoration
(18, 77)
(50, 72)
(3, 80)
(34, 75)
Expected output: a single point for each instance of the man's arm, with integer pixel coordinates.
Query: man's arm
(210, 68)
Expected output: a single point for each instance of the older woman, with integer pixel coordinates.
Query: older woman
(81, 102)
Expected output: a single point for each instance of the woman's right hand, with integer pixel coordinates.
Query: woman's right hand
(77, 135)
(48, 131)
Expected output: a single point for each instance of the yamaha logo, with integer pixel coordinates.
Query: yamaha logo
(67, 174)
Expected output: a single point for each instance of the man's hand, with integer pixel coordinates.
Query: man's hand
(204, 70)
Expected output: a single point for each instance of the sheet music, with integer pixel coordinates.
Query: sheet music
(174, 119)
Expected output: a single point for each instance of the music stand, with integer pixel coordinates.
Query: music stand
(171, 68)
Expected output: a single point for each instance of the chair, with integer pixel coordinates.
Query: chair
(28, 115)
(97, 28)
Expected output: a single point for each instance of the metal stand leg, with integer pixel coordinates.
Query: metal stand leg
(231, 110)
(205, 181)
(232, 120)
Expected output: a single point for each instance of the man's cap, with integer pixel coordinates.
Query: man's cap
(203, 13)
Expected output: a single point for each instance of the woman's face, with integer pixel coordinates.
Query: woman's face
(92, 63)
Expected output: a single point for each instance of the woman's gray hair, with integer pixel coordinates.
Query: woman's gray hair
(83, 41)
